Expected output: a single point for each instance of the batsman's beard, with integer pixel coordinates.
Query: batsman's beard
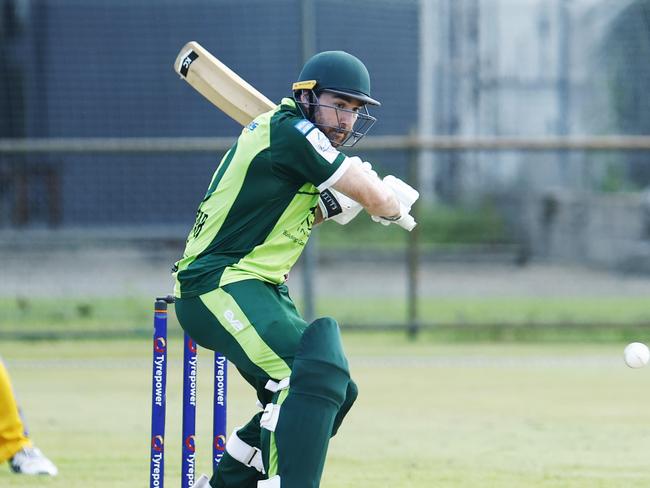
(337, 136)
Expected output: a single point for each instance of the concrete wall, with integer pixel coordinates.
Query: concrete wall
(607, 230)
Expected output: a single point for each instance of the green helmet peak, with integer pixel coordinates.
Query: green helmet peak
(336, 72)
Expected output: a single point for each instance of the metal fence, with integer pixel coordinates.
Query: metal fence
(498, 111)
(535, 230)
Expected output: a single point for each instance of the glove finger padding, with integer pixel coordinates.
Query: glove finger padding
(367, 167)
(405, 221)
(380, 220)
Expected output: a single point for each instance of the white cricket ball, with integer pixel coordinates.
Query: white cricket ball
(636, 355)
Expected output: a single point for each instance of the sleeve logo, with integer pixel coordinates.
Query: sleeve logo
(303, 126)
(323, 146)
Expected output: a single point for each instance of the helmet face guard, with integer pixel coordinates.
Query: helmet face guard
(364, 121)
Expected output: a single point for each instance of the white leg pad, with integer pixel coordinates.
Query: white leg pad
(270, 416)
(202, 482)
(270, 483)
(245, 453)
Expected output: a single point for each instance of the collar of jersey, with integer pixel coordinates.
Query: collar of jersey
(289, 104)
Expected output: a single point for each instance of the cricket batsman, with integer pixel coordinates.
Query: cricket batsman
(283, 175)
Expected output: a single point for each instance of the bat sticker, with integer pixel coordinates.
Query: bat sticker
(188, 59)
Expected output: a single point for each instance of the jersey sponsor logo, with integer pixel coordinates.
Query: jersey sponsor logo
(252, 126)
(323, 146)
(293, 238)
(300, 235)
(303, 126)
(230, 317)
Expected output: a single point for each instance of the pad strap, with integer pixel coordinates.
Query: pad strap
(244, 453)
(269, 419)
(202, 482)
(270, 483)
(276, 386)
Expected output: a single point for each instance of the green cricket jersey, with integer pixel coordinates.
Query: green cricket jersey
(257, 214)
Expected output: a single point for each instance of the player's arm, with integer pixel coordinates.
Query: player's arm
(389, 201)
(318, 216)
(366, 188)
(335, 205)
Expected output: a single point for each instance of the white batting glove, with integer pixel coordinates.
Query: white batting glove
(406, 196)
(336, 206)
(367, 167)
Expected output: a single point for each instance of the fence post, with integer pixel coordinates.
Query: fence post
(309, 265)
(310, 254)
(413, 257)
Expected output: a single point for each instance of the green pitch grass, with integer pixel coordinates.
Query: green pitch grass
(429, 415)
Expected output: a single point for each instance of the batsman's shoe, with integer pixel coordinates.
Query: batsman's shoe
(30, 460)
(202, 482)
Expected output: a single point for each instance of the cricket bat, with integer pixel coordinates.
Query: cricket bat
(219, 84)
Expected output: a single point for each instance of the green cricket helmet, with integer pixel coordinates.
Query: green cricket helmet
(343, 74)
(336, 72)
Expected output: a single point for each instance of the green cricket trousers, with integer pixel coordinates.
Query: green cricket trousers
(299, 372)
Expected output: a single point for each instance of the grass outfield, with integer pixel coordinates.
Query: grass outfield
(482, 415)
(495, 318)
